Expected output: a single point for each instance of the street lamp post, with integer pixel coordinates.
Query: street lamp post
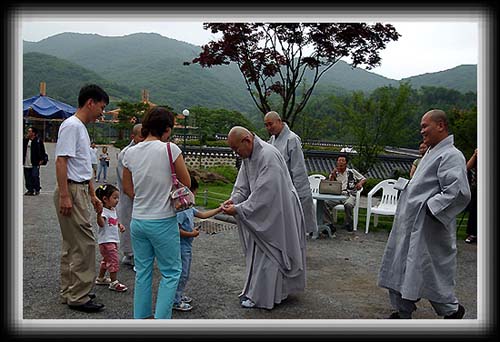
(185, 112)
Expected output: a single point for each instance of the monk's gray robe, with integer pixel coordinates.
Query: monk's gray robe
(124, 207)
(271, 227)
(290, 147)
(420, 257)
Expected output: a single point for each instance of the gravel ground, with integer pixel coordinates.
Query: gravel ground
(341, 273)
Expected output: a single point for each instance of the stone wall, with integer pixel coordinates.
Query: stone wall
(209, 159)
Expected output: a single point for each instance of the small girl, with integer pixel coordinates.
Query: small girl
(108, 237)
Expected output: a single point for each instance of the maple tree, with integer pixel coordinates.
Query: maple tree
(273, 57)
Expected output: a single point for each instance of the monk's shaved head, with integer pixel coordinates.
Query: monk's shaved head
(136, 130)
(272, 115)
(438, 115)
(240, 140)
(238, 132)
(273, 123)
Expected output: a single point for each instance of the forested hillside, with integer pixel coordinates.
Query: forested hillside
(150, 61)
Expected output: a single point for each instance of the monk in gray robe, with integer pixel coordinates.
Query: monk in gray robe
(124, 207)
(420, 257)
(270, 221)
(290, 147)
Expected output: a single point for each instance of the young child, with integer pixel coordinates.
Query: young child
(185, 219)
(108, 237)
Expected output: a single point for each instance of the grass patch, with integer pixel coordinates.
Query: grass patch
(219, 192)
(211, 195)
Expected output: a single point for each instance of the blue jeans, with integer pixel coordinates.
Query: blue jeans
(155, 239)
(186, 256)
(32, 178)
(103, 167)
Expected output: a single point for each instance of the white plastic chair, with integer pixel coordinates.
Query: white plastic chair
(388, 202)
(355, 213)
(314, 185)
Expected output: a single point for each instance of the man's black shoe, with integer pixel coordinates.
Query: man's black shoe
(348, 227)
(29, 193)
(91, 295)
(394, 315)
(90, 306)
(457, 315)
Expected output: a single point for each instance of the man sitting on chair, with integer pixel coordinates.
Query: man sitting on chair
(352, 181)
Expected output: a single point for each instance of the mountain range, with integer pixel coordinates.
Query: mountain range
(124, 66)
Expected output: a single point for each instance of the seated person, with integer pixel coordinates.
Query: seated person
(422, 148)
(352, 181)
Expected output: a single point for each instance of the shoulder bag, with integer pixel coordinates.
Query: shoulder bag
(182, 198)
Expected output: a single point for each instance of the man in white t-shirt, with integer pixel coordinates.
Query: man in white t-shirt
(72, 198)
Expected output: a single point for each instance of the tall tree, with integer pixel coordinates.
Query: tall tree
(274, 57)
(377, 121)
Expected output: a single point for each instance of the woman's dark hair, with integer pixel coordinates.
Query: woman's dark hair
(194, 184)
(105, 190)
(156, 121)
(94, 92)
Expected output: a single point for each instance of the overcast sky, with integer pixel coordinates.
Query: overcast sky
(424, 46)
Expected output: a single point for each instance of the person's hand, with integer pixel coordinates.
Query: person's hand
(332, 174)
(196, 232)
(358, 186)
(226, 203)
(121, 227)
(96, 202)
(65, 205)
(229, 209)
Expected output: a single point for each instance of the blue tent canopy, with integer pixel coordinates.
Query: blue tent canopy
(47, 108)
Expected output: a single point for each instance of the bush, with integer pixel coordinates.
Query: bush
(370, 184)
(120, 144)
(228, 172)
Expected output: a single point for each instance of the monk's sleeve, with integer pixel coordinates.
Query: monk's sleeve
(455, 193)
(241, 189)
(296, 160)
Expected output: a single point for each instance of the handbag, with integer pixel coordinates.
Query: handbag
(182, 198)
(330, 187)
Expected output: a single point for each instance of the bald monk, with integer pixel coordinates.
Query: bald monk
(270, 221)
(290, 147)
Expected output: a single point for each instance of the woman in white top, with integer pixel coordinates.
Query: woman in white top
(147, 179)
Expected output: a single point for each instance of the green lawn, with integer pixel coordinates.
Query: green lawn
(218, 193)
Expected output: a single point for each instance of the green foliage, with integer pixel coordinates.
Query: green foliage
(228, 172)
(213, 121)
(375, 122)
(214, 193)
(463, 126)
(64, 79)
(120, 144)
(370, 184)
(462, 78)
(272, 57)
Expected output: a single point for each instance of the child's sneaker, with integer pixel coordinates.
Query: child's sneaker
(186, 299)
(103, 281)
(182, 306)
(116, 286)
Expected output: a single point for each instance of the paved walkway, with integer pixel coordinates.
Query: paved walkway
(341, 273)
